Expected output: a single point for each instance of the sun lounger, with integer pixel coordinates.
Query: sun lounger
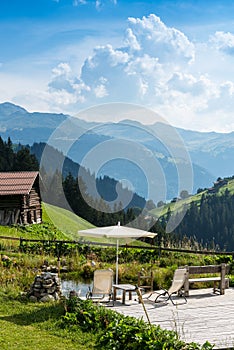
(175, 288)
(102, 286)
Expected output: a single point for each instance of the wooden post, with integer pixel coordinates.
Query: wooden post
(186, 282)
(222, 282)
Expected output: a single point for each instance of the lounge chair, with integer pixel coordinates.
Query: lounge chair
(102, 286)
(175, 288)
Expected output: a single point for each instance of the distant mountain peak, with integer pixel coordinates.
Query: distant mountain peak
(8, 108)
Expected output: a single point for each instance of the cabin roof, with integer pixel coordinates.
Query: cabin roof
(17, 182)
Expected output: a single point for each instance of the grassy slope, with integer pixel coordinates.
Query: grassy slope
(178, 206)
(68, 222)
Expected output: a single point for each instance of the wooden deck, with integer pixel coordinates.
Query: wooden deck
(205, 317)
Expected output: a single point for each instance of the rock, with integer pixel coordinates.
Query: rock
(56, 296)
(47, 285)
(33, 298)
(52, 289)
(47, 298)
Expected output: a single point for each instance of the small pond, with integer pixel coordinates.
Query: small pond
(80, 287)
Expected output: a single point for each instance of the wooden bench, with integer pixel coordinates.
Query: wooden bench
(219, 282)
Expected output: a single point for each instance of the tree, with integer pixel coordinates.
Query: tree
(184, 194)
(160, 204)
(150, 205)
(24, 161)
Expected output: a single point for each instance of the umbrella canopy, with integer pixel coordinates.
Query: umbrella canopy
(116, 232)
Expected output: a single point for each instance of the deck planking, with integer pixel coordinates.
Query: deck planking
(205, 317)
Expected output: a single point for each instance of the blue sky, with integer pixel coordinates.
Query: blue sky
(174, 57)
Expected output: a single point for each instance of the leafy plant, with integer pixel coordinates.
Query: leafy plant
(119, 332)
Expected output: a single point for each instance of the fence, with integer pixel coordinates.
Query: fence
(59, 244)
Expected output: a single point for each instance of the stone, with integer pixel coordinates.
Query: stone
(33, 298)
(52, 289)
(47, 298)
(56, 296)
(47, 285)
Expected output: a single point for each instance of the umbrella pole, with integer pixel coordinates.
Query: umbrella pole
(117, 261)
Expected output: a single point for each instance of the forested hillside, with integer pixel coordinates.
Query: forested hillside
(209, 221)
(56, 184)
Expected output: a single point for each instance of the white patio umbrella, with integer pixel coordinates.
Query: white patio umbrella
(117, 232)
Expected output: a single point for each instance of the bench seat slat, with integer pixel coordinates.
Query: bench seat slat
(204, 279)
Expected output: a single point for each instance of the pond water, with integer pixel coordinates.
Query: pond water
(80, 287)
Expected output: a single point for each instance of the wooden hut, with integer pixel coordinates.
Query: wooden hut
(20, 199)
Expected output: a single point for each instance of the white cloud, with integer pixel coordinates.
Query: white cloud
(100, 91)
(63, 69)
(131, 41)
(79, 2)
(190, 84)
(223, 42)
(157, 40)
(139, 69)
(100, 3)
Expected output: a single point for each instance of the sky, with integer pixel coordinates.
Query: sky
(174, 57)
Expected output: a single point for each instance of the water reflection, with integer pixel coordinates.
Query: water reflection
(81, 288)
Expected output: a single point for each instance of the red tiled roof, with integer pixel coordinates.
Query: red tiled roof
(19, 182)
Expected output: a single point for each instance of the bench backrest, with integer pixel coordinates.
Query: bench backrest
(207, 269)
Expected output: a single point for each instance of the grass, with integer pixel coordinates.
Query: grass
(58, 224)
(29, 326)
(68, 222)
(177, 206)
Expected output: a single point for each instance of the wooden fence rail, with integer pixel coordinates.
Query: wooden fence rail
(150, 247)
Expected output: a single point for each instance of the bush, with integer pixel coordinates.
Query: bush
(119, 332)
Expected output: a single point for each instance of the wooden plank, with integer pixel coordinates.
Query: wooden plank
(204, 279)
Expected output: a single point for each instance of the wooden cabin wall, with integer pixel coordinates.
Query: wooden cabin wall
(21, 209)
(10, 207)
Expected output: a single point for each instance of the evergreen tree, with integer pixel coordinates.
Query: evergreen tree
(24, 161)
(21, 160)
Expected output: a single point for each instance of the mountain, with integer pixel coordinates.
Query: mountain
(106, 186)
(137, 154)
(211, 150)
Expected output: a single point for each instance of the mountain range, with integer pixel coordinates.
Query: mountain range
(141, 156)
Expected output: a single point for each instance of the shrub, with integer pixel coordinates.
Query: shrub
(119, 332)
